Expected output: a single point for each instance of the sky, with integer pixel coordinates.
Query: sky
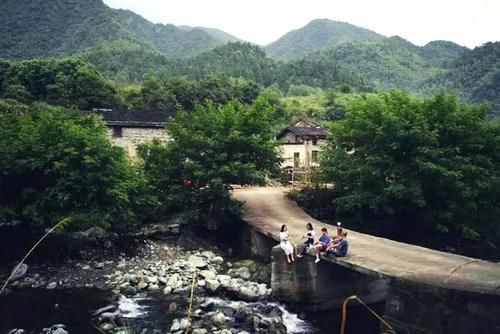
(465, 22)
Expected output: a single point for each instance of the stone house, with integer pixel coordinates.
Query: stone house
(127, 128)
(301, 144)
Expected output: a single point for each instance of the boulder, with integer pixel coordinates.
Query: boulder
(52, 285)
(199, 331)
(109, 308)
(94, 233)
(17, 331)
(179, 325)
(208, 254)
(247, 294)
(197, 262)
(224, 280)
(19, 271)
(208, 274)
(152, 279)
(212, 285)
(218, 319)
(167, 290)
(218, 260)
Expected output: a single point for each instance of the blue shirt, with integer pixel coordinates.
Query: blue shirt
(342, 247)
(325, 238)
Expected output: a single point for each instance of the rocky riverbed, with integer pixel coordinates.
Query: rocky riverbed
(161, 276)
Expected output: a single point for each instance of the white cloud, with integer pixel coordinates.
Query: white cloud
(466, 22)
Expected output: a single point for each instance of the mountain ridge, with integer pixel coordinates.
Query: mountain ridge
(318, 34)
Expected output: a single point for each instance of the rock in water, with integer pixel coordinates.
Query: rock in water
(218, 319)
(247, 294)
(52, 286)
(19, 271)
(60, 331)
(212, 285)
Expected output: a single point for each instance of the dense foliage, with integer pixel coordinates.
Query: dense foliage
(66, 82)
(56, 27)
(316, 35)
(475, 76)
(429, 166)
(57, 164)
(169, 39)
(210, 149)
(66, 27)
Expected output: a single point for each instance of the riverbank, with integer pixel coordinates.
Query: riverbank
(160, 270)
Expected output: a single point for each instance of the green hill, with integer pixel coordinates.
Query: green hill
(34, 28)
(216, 33)
(475, 76)
(172, 41)
(317, 35)
(31, 28)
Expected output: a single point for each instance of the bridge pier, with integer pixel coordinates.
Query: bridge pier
(322, 286)
(417, 309)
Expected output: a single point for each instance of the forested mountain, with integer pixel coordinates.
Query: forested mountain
(31, 28)
(475, 76)
(317, 35)
(216, 33)
(126, 48)
(442, 53)
(250, 62)
(390, 63)
(172, 41)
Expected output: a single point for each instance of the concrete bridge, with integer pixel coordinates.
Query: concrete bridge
(425, 291)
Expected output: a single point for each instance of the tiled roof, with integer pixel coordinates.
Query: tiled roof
(305, 129)
(134, 118)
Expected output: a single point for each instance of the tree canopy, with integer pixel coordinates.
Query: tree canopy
(210, 149)
(57, 164)
(431, 164)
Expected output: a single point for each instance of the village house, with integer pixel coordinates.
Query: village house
(301, 144)
(127, 128)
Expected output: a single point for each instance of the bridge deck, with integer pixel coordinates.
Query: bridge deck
(267, 209)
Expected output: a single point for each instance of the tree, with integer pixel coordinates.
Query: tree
(57, 164)
(430, 163)
(210, 149)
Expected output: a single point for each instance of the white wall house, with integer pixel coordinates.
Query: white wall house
(301, 144)
(128, 128)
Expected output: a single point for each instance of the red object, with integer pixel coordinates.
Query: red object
(187, 183)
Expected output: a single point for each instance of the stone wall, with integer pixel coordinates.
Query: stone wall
(418, 309)
(321, 286)
(130, 137)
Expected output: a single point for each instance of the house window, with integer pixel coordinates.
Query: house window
(117, 131)
(314, 156)
(296, 159)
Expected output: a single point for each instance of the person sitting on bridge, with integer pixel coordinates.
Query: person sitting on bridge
(323, 242)
(309, 240)
(339, 246)
(285, 244)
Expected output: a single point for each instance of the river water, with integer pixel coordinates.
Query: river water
(35, 309)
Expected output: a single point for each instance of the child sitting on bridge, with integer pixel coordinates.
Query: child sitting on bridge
(339, 246)
(309, 236)
(322, 244)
